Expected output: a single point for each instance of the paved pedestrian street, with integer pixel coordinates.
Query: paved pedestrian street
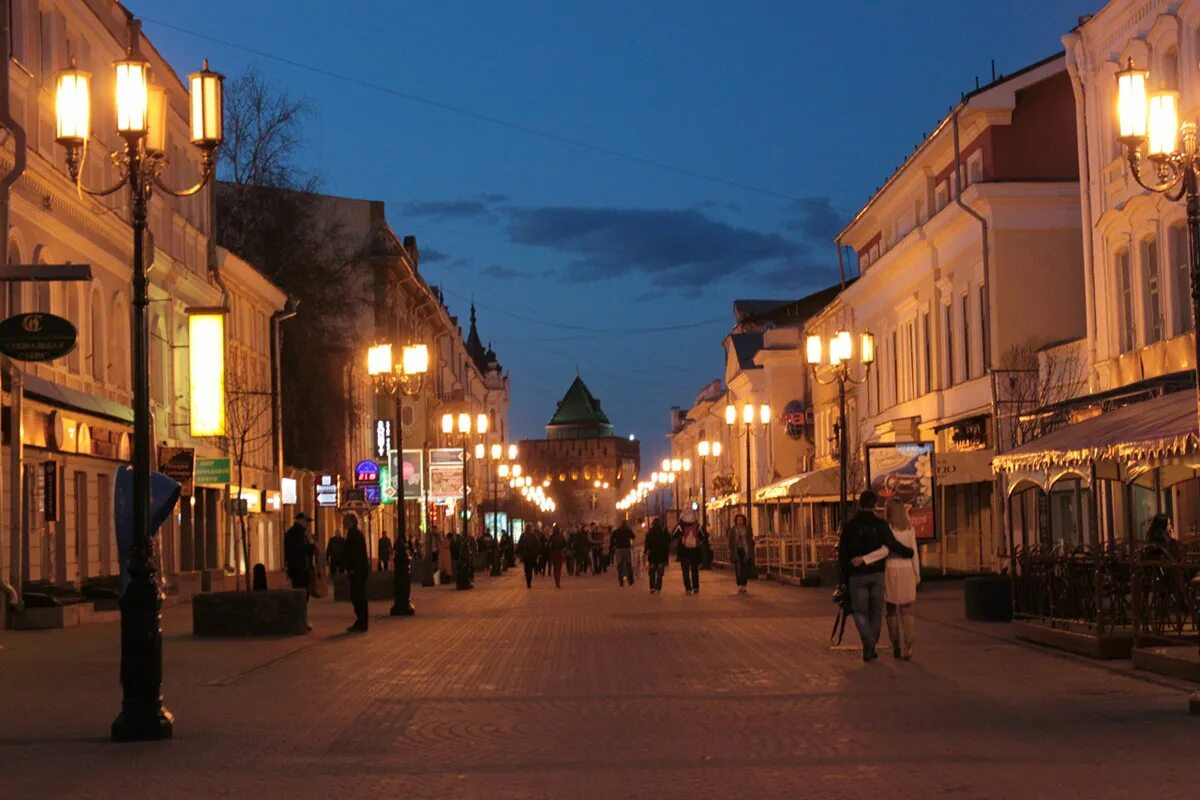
(595, 691)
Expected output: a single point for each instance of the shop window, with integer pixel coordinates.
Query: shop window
(1181, 279)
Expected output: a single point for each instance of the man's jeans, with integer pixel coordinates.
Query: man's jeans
(656, 575)
(624, 565)
(866, 600)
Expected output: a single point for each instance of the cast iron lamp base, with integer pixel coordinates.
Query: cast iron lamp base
(138, 726)
(402, 589)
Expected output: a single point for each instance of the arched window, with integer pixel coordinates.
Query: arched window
(1170, 69)
(119, 344)
(96, 341)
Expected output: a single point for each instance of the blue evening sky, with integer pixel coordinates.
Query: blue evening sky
(800, 109)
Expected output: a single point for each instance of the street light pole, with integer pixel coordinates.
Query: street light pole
(141, 121)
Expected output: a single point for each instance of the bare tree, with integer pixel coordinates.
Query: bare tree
(1029, 381)
(247, 433)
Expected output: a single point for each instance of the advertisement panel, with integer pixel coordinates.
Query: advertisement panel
(445, 473)
(412, 467)
(906, 471)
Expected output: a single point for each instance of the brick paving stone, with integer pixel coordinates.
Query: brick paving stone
(593, 691)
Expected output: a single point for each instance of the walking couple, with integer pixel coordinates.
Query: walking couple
(879, 564)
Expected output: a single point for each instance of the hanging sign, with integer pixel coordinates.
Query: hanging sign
(383, 439)
(178, 464)
(327, 491)
(36, 337)
(50, 490)
(366, 473)
(212, 471)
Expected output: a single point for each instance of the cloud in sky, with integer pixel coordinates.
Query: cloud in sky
(447, 209)
(817, 220)
(431, 256)
(501, 273)
(675, 248)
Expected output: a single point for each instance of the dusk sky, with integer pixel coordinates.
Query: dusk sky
(605, 178)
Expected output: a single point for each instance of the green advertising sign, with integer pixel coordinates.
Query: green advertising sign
(212, 471)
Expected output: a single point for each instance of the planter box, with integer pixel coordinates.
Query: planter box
(1105, 647)
(51, 617)
(379, 587)
(278, 612)
(1178, 661)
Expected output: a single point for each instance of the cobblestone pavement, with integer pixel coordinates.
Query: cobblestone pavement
(594, 691)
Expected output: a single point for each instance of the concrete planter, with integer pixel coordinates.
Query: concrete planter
(277, 612)
(1076, 639)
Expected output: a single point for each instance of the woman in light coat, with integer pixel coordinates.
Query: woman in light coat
(900, 583)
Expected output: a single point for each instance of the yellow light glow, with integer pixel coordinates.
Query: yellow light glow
(464, 423)
(479, 450)
(748, 413)
(206, 89)
(512, 452)
(156, 119)
(502, 470)
(730, 414)
(764, 413)
(497, 451)
(654, 477)
(687, 465)
(481, 423)
(206, 365)
(447, 423)
(813, 348)
(415, 359)
(867, 354)
(1131, 102)
(131, 96)
(841, 347)
(1163, 124)
(676, 465)
(716, 449)
(516, 470)
(379, 360)
(72, 107)
(666, 464)
(702, 449)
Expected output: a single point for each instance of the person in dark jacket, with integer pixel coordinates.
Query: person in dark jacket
(385, 552)
(690, 549)
(358, 566)
(299, 552)
(556, 546)
(863, 548)
(333, 553)
(658, 553)
(529, 548)
(622, 548)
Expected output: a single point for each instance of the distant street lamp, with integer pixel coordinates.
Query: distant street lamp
(1152, 121)
(840, 353)
(141, 120)
(403, 379)
(749, 413)
(462, 426)
(705, 450)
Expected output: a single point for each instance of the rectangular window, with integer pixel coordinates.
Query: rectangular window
(974, 167)
(1125, 298)
(895, 371)
(1154, 311)
(928, 355)
(949, 328)
(965, 301)
(941, 195)
(1177, 242)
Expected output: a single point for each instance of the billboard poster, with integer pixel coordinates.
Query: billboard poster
(445, 473)
(412, 466)
(906, 471)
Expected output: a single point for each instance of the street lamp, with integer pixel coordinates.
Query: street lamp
(706, 449)
(403, 379)
(462, 425)
(749, 413)
(840, 354)
(1152, 121)
(141, 122)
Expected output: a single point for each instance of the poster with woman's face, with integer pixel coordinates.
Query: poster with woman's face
(905, 471)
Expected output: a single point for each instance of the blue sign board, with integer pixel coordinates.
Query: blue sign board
(367, 472)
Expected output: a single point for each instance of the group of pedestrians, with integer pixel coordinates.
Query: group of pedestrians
(880, 568)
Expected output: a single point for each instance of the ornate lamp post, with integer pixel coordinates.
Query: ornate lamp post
(141, 121)
(705, 450)
(403, 379)
(462, 426)
(1151, 122)
(840, 349)
(749, 412)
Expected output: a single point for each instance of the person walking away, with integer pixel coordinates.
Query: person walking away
(658, 553)
(741, 550)
(569, 553)
(357, 564)
(557, 545)
(333, 554)
(582, 549)
(529, 549)
(463, 557)
(596, 549)
(385, 552)
(622, 547)
(900, 579)
(864, 544)
(690, 549)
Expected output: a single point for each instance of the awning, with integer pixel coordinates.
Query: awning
(65, 397)
(1160, 429)
(974, 466)
(725, 501)
(818, 486)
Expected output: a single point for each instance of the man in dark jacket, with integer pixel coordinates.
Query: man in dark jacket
(622, 548)
(385, 552)
(863, 548)
(357, 564)
(658, 553)
(299, 555)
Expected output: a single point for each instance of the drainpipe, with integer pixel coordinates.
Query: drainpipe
(986, 319)
(290, 309)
